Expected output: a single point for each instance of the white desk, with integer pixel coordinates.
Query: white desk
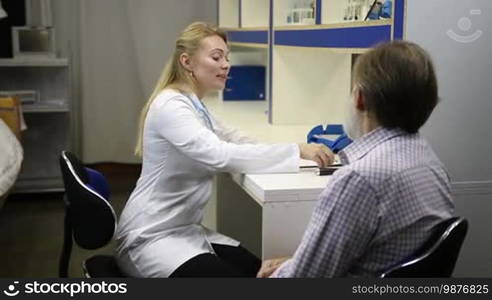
(267, 213)
(286, 202)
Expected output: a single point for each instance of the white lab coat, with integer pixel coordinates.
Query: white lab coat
(160, 227)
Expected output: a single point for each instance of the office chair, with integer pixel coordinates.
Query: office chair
(90, 220)
(437, 257)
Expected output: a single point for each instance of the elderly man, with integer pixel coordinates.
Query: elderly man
(380, 206)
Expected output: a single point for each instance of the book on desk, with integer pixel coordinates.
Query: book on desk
(309, 164)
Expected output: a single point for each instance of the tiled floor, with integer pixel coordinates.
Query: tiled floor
(31, 230)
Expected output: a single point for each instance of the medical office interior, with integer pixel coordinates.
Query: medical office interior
(75, 74)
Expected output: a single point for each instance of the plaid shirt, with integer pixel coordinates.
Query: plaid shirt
(376, 210)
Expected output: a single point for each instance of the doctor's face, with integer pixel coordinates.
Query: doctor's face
(210, 64)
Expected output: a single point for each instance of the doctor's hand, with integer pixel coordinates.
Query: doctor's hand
(319, 153)
(269, 266)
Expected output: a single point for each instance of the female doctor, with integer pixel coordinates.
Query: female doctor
(160, 233)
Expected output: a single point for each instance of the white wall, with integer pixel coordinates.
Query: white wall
(156, 24)
(460, 128)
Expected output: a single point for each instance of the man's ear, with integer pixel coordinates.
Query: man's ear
(360, 101)
(185, 61)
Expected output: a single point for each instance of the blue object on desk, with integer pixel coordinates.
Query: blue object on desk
(380, 10)
(245, 83)
(386, 10)
(342, 141)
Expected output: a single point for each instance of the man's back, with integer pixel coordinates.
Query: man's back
(376, 210)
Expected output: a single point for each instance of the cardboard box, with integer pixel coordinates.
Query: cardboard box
(10, 114)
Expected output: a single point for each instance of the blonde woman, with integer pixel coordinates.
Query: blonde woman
(183, 146)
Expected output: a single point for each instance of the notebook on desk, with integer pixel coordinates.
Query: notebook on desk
(305, 164)
(328, 170)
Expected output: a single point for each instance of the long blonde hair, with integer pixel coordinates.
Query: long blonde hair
(174, 74)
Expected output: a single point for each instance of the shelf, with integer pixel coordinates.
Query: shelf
(46, 106)
(247, 29)
(43, 140)
(33, 62)
(344, 35)
(44, 109)
(243, 47)
(337, 25)
(45, 185)
(334, 11)
(256, 37)
(290, 11)
(244, 14)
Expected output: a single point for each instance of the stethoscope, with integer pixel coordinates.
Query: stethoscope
(202, 110)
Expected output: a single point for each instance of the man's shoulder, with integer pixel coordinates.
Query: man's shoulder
(393, 158)
(376, 166)
(352, 176)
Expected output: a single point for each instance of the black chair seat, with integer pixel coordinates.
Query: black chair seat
(437, 257)
(101, 266)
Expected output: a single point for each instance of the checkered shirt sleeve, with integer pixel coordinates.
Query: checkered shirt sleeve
(342, 216)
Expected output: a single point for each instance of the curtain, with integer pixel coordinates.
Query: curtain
(123, 47)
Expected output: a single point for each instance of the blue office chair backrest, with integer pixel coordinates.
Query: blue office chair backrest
(437, 257)
(98, 183)
(91, 216)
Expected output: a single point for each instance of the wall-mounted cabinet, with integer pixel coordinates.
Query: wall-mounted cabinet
(353, 37)
(309, 47)
(339, 24)
(333, 11)
(247, 57)
(294, 12)
(249, 38)
(250, 21)
(244, 13)
(340, 11)
(258, 38)
(247, 22)
(322, 12)
(228, 13)
(255, 13)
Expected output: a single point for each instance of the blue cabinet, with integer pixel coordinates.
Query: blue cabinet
(245, 83)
